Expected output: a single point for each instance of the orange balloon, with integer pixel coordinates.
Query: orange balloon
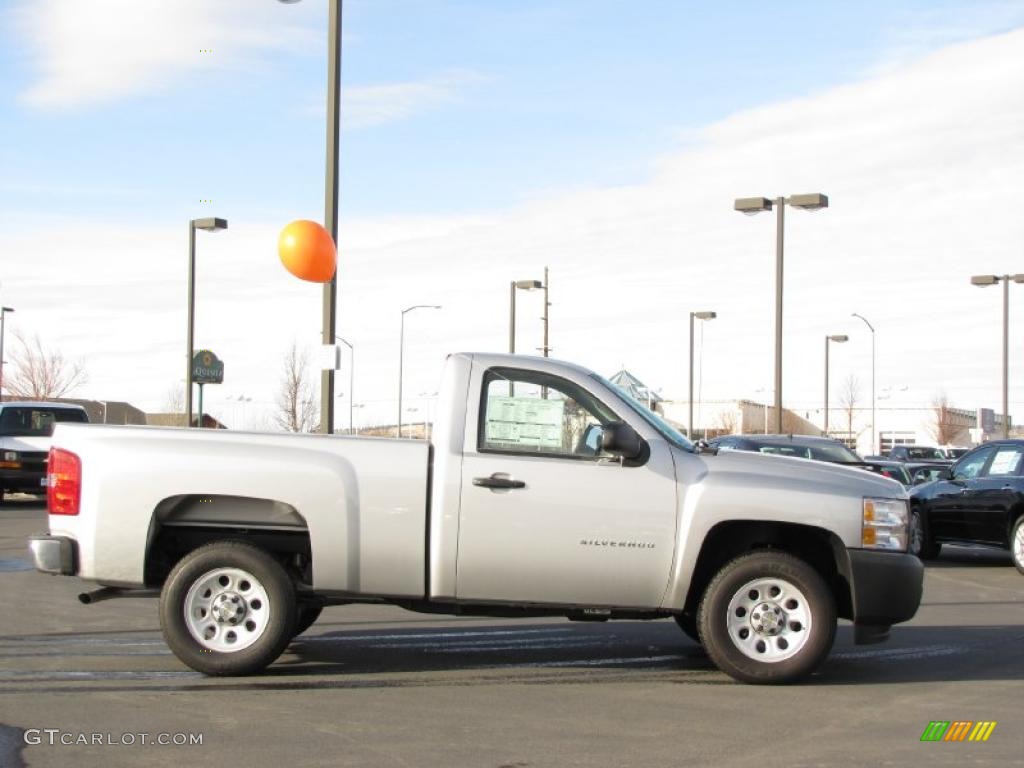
(307, 251)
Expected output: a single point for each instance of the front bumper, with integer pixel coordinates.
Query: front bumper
(54, 554)
(885, 589)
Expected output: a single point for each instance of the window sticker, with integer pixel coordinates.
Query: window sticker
(1005, 462)
(524, 422)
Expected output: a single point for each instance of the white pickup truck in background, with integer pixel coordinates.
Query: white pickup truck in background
(545, 491)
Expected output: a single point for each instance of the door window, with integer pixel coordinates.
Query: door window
(1006, 461)
(970, 466)
(528, 412)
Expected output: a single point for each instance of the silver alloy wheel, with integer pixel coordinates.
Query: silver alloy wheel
(1017, 548)
(769, 620)
(227, 610)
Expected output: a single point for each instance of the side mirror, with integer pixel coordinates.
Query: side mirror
(703, 446)
(621, 439)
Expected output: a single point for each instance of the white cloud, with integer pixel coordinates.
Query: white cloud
(369, 105)
(102, 50)
(922, 166)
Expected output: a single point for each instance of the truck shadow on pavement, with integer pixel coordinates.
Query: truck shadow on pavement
(642, 649)
(530, 654)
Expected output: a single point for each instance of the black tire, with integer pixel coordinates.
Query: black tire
(688, 623)
(276, 617)
(306, 615)
(800, 646)
(1017, 544)
(920, 542)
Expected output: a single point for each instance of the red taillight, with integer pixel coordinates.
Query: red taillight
(63, 482)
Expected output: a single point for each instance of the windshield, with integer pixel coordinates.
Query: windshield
(663, 427)
(36, 422)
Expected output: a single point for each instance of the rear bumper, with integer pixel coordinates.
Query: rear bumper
(885, 590)
(54, 554)
(25, 480)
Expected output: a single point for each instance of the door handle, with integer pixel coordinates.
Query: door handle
(498, 480)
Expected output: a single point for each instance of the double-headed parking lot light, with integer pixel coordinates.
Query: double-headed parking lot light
(750, 206)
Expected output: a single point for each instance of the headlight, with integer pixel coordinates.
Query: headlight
(884, 524)
(10, 460)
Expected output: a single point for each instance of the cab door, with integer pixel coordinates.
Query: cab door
(545, 515)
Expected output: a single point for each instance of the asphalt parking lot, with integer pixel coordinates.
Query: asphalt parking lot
(377, 686)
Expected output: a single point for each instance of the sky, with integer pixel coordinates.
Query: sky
(482, 142)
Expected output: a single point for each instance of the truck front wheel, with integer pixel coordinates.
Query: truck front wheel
(228, 608)
(767, 617)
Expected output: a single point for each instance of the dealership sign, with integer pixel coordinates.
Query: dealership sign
(206, 368)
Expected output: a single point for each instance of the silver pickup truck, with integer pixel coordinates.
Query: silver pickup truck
(546, 491)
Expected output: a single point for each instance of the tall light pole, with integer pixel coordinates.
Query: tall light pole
(839, 339)
(546, 349)
(330, 293)
(401, 355)
(351, 378)
(983, 280)
(874, 442)
(3, 312)
(752, 205)
(210, 224)
(517, 285)
(698, 316)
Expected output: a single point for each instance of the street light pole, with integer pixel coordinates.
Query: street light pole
(983, 280)
(699, 316)
(351, 379)
(838, 338)
(3, 312)
(401, 356)
(751, 205)
(210, 224)
(547, 316)
(330, 292)
(874, 440)
(523, 285)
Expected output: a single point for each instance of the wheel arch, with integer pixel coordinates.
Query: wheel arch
(821, 549)
(183, 523)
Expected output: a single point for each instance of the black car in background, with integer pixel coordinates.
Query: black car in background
(979, 500)
(800, 446)
(919, 453)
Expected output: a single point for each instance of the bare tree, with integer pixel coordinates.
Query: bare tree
(849, 396)
(296, 402)
(41, 374)
(174, 402)
(942, 427)
(725, 423)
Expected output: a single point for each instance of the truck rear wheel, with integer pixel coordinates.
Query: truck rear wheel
(228, 608)
(767, 617)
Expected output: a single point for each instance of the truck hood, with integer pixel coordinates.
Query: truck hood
(791, 472)
(15, 443)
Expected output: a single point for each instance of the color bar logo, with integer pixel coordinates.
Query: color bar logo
(958, 730)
